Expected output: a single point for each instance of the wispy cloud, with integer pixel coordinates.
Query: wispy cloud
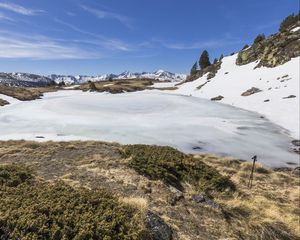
(5, 17)
(19, 9)
(71, 14)
(214, 43)
(99, 13)
(112, 44)
(14, 45)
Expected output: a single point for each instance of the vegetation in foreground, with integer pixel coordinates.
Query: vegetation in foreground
(32, 209)
(269, 210)
(174, 168)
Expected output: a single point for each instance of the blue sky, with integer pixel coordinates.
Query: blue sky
(111, 36)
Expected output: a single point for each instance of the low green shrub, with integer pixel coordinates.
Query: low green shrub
(174, 167)
(13, 175)
(32, 209)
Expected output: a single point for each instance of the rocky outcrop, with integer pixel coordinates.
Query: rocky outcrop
(3, 102)
(218, 98)
(158, 229)
(250, 91)
(273, 51)
(211, 70)
(290, 96)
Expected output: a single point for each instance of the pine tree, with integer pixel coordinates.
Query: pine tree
(259, 38)
(215, 61)
(194, 69)
(204, 60)
(288, 22)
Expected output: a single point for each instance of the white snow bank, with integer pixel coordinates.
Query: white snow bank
(11, 100)
(295, 29)
(187, 123)
(276, 83)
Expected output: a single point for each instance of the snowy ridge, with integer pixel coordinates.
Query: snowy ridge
(33, 80)
(24, 79)
(278, 99)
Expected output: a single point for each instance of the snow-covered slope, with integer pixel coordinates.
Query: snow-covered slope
(24, 79)
(160, 75)
(278, 99)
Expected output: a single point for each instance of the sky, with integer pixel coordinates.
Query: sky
(90, 37)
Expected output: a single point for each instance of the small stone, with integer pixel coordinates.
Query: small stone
(290, 96)
(197, 148)
(39, 137)
(175, 196)
(296, 171)
(206, 200)
(218, 98)
(267, 100)
(296, 143)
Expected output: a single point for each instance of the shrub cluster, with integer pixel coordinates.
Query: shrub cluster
(289, 21)
(174, 167)
(259, 38)
(32, 209)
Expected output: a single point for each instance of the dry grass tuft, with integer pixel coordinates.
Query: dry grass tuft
(269, 209)
(139, 203)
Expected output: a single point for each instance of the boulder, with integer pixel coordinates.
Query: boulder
(158, 229)
(205, 200)
(175, 196)
(250, 91)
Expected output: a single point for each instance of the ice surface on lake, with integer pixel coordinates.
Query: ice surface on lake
(187, 123)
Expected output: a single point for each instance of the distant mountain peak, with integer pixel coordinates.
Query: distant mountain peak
(28, 79)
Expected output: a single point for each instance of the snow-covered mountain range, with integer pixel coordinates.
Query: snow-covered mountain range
(33, 80)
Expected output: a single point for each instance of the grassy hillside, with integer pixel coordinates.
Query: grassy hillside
(83, 189)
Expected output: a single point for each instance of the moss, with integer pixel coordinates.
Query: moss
(174, 167)
(39, 210)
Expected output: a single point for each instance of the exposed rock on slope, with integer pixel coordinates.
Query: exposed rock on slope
(250, 91)
(269, 68)
(273, 51)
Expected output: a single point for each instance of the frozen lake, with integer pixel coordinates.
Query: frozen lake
(187, 123)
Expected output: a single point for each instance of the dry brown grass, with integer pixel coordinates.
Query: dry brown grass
(272, 201)
(140, 203)
(25, 94)
(118, 86)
